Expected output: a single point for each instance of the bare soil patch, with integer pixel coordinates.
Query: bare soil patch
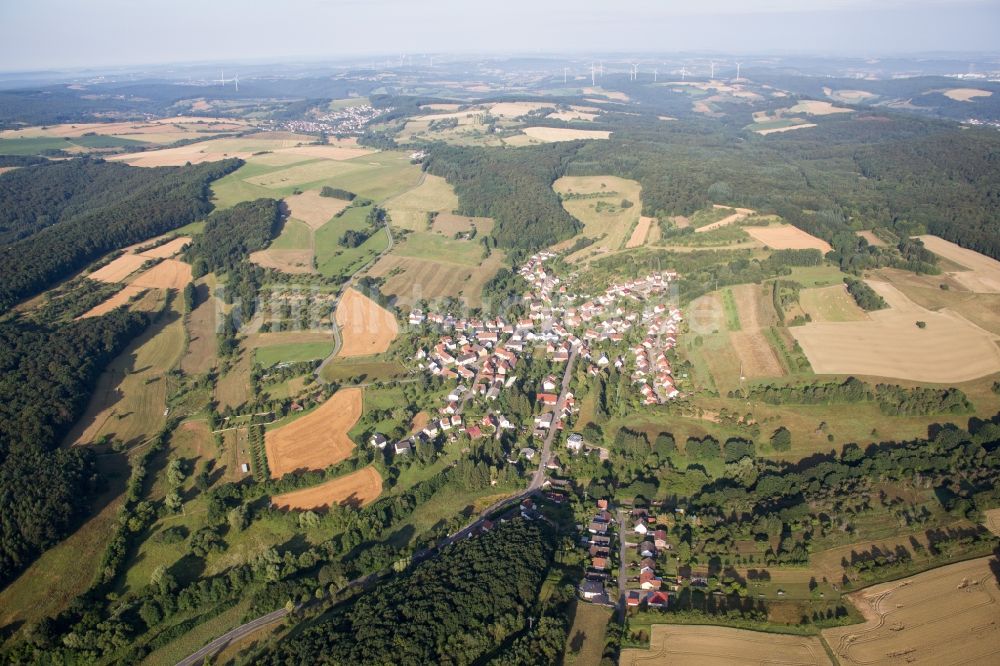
(355, 489)
(116, 300)
(692, 645)
(366, 327)
(166, 250)
(983, 275)
(168, 274)
(314, 209)
(294, 262)
(943, 616)
(318, 439)
(119, 269)
(756, 355)
(787, 237)
(640, 232)
(949, 349)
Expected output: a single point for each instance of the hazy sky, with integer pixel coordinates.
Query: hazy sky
(36, 34)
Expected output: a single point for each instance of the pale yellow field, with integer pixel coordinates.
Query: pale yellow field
(449, 224)
(757, 357)
(694, 645)
(941, 617)
(409, 209)
(116, 300)
(787, 237)
(355, 489)
(641, 232)
(737, 215)
(552, 134)
(166, 250)
(614, 225)
(441, 107)
(776, 130)
(991, 520)
(949, 350)
(871, 238)
(166, 130)
(119, 269)
(195, 153)
(318, 439)
(515, 109)
(817, 108)
(293, 262)
(832, 303)
(966, 94)
(610, 94)
(313, 209)
(301, 174)
(849, 96)
(570, 116)
(365, 326)
(409, 279)
(169, 273)
(335, 151)
(983, 276)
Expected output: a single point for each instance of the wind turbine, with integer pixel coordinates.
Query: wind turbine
(738, 65)
(565, 69)
(635, 71)
(593, 81)
(655, 72)
(713, 71)
(684, 73)
(222, 81)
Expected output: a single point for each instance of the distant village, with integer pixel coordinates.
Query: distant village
(482, 355)
(347, 121)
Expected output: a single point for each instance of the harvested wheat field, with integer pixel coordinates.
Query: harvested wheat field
(991, 520)
(871, 238)
(737, 215)
(787, 237)
(640, 232)
(983, 276)
(570, 116)
(355, 489)
(318, 439)
(200, 322)
(778, 130)
(365, 326)
(293, 262)
(693, 645)
(817, 108)
(450, 224)
(195, 153)
(757, 357)
(409, 279)
(832, 303)
(343, 150)
(168, 274)
(515, 109)
(966, 94)
(552, 134)
(313, 209)
(890, 344)
(943, 616)
(409, 209)
(119, 269)
(116, 300)
(166, 250)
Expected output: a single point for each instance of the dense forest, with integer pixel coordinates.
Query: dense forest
(512, 187)
(231, 235)
(46, 375)
(71, 227)
(457, 608)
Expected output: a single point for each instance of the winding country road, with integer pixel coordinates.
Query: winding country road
(537, 479)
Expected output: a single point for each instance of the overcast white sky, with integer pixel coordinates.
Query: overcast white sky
(37, 34)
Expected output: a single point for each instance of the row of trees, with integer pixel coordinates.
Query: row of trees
(893, 400)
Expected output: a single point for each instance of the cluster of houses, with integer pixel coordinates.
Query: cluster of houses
(598, 542)
(348, 120)
(648, 543)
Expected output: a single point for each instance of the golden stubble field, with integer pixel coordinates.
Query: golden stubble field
(738, 215)
(694, 645)
(943, 616)
(318, 439)
(787, 237)
(983, 274)
(755, 313)
(313, 209)
(890, 344)
(355, 489)
(365, 326)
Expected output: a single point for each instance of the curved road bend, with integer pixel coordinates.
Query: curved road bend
(537, 479)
